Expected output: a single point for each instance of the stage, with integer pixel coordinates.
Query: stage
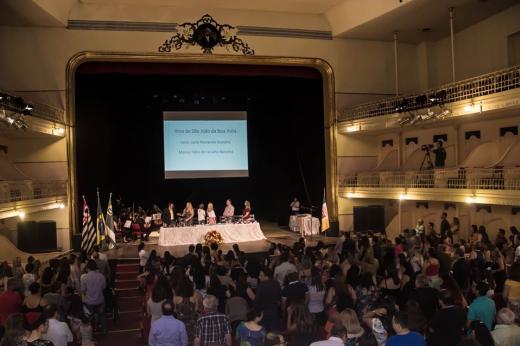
(273, 234)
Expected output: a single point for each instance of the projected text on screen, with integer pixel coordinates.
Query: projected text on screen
(205, 145)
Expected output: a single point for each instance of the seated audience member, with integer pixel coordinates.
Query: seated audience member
(250, 332)
(426, 296)
(296, 292)
(10, 301)
(58, 332)
(36, 326)
(93, 284)
(34, 302)
(236, 309)
(301, 327)
(356, 335)
(482, 308)
(267, 299)
(14, 330)
(480, 332)
(213, 327)
(337, 338)
(274, 339)
(167, 330)
(403, 336)
(506, 332)
(447, 325)
(284, 268)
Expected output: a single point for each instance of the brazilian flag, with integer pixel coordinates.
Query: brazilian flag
(100, 225)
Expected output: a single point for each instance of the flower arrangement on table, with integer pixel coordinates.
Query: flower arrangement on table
(213, 237)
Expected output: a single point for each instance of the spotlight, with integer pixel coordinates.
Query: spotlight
(438, 98)
(405, 120)
(402, 196)
(470, 200)
(21, 215)
(402, 106)
(61, 205)
(420, 101)
(350, 195)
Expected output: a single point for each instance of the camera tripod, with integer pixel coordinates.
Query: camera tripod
(426, 164)
(425, 176)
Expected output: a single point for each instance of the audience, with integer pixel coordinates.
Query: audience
(435, 290)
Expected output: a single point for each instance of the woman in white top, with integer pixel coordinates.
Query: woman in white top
(316, 296)
(201, 214)
(212, 217)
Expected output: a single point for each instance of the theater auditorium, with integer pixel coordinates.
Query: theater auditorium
(260, 173)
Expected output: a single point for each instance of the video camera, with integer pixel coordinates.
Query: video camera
(426, 147)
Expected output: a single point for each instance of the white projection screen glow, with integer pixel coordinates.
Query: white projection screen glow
(205, 145)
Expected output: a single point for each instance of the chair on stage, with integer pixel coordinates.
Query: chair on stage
(137, 232)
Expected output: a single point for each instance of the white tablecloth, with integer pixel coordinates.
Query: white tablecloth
(231, 233)
(304, 220)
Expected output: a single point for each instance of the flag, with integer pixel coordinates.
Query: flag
(88, 233)
(100, 224)
(324, 215)
(110, 224)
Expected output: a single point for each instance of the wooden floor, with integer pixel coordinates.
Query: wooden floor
(272, 232)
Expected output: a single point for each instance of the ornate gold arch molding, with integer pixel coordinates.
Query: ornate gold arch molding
(319, 64)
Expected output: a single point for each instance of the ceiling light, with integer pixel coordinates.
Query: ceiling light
(402, 196)
(350, 195)
(470, 200)
(61, 205)
(21, 215)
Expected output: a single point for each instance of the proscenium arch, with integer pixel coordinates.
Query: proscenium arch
(319, 64)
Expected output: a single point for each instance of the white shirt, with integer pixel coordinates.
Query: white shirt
(59, 333)
(295, 206)
(332, 341)
(506, 335)
(282, 270)
(143, 257)
(201, 214)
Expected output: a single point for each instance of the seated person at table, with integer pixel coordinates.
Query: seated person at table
(168, 215)
(187, 214)
(246, 213)
(201, 214)
(229, 211)
(212, 217)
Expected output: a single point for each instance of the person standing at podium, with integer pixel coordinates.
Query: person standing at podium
(295, 206)
(212, 217)
(229, 211)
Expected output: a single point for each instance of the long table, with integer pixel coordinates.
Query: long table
(231, 233)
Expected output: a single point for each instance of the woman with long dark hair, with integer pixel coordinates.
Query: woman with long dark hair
(317, 296)
(300, 325)
(341, 295)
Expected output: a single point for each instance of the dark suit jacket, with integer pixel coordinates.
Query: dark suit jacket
(166, 216)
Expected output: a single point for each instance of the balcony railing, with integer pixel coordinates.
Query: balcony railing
(22, 190)
(450, 178)
(487, 84)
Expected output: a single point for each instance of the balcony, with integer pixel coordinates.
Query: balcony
(30, 196)
(471, 185)
(470, 89)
